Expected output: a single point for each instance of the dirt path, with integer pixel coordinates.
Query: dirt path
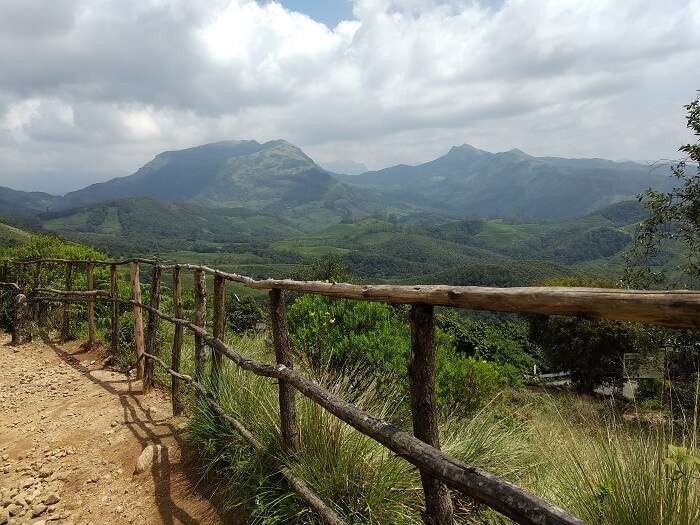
(70, 435)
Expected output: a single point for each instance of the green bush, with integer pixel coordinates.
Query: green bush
(372, 341)
(243, 313)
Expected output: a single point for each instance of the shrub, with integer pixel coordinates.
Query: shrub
(372, 341)
(243, 313)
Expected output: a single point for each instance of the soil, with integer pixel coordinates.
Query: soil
(71, 432)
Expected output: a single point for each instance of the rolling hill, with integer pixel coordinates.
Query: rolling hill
(140, 224)
(468, 182)
(25, 203)
(11, 236)
(271, 178)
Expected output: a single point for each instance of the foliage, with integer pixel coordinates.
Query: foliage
(674, 216)
(591, 350)
(372, 342)
(504, 342)
(242, 313)
(52, 275)
(329, 268)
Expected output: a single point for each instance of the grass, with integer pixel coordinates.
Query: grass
(579, 453)
(574, 452)
(362, 480)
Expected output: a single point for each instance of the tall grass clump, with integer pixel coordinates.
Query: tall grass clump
(608, 471)
(360, 479)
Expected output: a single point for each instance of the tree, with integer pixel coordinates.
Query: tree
(673, 216)
(243, 313)
(591, 350)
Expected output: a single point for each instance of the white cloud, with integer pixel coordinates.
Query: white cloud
(95, 89)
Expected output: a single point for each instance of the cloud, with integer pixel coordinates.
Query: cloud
(93, 89)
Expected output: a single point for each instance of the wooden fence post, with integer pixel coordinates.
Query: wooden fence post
(152, 330)
(177, 340)
(90, 285)
(21, 320)
(114, 294)
(37, 275)
(138, 315)
(280, 338)
(65, 325)
(20, 274)
(39, 312)
(200, 316)
(219, 326)
(438, 505)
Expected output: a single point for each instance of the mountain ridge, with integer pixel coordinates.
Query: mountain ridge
(467, 181)
(279, 178)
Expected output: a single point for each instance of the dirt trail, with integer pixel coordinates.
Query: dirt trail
(70, 435)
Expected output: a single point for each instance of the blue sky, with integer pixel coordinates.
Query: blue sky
(329, 12)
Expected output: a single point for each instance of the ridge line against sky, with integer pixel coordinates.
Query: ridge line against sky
(90, 90)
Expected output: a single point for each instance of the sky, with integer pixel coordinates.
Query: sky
(93, 89)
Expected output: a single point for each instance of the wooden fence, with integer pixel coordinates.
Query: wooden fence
(439, 471)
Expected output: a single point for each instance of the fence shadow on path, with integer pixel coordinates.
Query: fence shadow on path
(149, 429)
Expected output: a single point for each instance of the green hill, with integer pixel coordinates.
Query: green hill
(11, 236)
(143, 224)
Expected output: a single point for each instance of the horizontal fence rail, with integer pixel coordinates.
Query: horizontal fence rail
(680, 309)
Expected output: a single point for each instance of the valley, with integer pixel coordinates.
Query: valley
(267, 209)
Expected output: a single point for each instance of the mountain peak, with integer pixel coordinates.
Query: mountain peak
(518, 152)
(464, 148)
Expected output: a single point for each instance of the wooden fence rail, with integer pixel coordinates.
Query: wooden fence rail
(422, 447)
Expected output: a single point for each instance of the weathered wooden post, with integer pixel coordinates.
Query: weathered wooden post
(90, 285)
(21, 320)
(65, 324)
(152, 330)
(200, 316)
(219, 326)
(280, 338)
(177, 340)
(20, 274)
(39, 312)
(37, 275)
(438, 505)
(138, 315)
(114, 295)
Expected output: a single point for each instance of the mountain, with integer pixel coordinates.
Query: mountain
(24, 203)
(274, 177)
(475, 183)
(345, 167)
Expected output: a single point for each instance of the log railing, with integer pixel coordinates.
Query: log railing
(439, 471)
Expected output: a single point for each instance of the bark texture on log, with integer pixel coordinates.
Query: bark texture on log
(280, 336)
(421, 368)
(177, 342)
(219, 328)
(114, 293)
(21, 320)
(200, 316)
(676, 308)
(152, 327)
(65, 324)
(138, 315)
(90, 285)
